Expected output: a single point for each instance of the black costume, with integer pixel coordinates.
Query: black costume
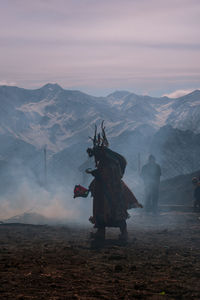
(111, 196)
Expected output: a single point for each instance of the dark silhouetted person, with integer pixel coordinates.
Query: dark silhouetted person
(111, 196)
(150, 174)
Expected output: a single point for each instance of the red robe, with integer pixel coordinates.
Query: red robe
(111, 196)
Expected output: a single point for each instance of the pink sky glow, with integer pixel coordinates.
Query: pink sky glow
(147, 46)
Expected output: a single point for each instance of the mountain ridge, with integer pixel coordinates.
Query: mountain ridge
(56, 113)
(50, 85)
(62, 120)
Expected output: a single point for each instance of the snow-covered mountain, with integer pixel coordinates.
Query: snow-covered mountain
(182, 113)
(63, 119)
(185, 114)
(58, 118)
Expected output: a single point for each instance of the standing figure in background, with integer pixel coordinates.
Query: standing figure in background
(111, 196)
(150, 174)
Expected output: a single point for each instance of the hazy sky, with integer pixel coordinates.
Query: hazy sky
(97, 46)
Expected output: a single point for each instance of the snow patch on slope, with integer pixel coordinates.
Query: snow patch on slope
(162, 115)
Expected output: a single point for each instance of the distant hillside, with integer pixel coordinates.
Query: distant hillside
(178, 190)
(62, 121)
(177, 150)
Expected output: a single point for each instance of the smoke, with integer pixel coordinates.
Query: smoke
(6, 82)
(23, 189)
(29, 201)
(51, 203)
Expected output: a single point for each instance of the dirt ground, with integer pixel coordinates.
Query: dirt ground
(160, 261)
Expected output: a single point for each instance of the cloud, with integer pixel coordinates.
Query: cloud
(179, 93)
(112, 21)
(6, 82)
(96, 42)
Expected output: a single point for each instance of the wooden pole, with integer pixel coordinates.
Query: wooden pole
(45, 165)
(139, 163)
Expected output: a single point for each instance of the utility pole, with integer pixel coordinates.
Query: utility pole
(45, 165)
(139, 163)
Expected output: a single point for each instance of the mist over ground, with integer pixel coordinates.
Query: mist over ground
(61, 122)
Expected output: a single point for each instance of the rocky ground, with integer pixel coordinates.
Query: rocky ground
(160, 261)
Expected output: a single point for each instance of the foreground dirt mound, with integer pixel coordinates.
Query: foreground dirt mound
(160, 261)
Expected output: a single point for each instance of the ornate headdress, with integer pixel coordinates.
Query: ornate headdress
(100, 139)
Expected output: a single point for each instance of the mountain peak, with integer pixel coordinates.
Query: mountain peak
(52, 86)
(191, 96)
(119, 94)
(195, 92)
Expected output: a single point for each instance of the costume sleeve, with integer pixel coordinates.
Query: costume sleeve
(95, 173)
